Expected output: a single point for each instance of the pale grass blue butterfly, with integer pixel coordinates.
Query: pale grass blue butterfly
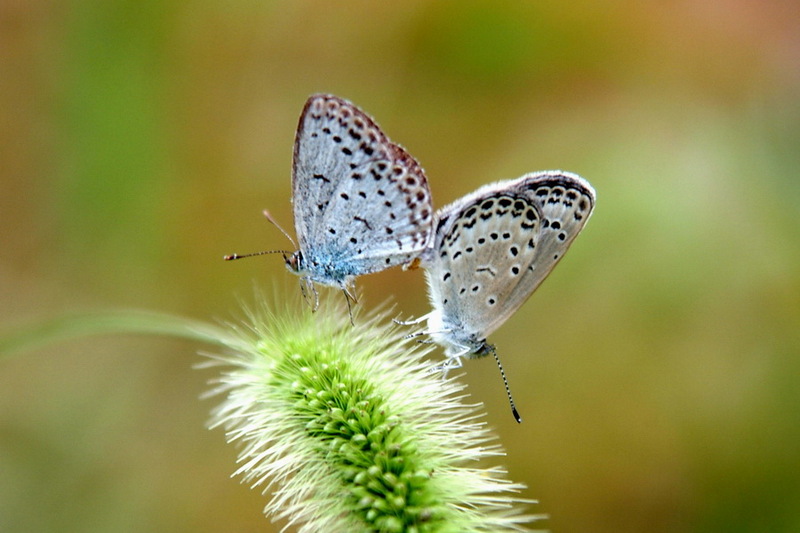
(491, 250)
(361, 202)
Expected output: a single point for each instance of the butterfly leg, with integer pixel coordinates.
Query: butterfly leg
(453, 361)
(420, 334)
(306, 287)
(411, 322)
(316, 296)
(304, 290)
(415, 335)
(348, 298)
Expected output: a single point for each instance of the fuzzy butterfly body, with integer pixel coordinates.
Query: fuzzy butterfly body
(361, 202)
(492, 249)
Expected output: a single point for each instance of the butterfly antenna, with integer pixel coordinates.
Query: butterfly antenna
(275, 223)
(267, 214)
(508, 389)
(231, 257)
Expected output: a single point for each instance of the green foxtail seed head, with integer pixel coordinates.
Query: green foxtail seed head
(349, 430)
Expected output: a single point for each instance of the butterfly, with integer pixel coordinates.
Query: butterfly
(361, 202)
(491, 250)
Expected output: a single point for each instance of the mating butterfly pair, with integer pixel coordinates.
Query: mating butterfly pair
(362, 204)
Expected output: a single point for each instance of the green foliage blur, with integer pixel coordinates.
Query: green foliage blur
(656, 370)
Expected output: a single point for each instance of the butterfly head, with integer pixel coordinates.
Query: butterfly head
(481, 348)
(295, 262)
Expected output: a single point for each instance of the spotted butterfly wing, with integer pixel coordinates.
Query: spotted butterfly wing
(493, 248)
(566, 202)
(361, 202)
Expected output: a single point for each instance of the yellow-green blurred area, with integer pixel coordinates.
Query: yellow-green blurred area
(657, 370)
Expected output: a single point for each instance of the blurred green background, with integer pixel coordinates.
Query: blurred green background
(656, 370)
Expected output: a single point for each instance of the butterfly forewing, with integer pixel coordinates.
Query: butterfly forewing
(361, 202)
(566, 202)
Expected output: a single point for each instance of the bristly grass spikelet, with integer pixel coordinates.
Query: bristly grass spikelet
(349, 431)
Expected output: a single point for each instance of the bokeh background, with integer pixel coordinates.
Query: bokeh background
(657, 370)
